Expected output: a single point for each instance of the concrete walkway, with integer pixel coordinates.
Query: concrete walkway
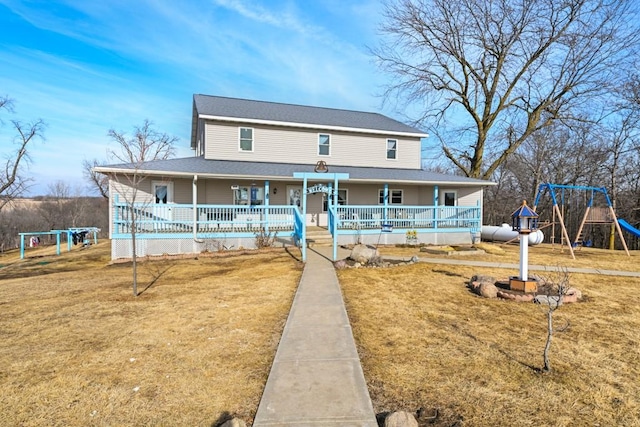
(316, 378)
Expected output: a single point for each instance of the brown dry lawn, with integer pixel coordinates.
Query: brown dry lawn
(426, 342)
(195, 347)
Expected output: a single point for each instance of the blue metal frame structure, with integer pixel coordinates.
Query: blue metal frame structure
(552, 188)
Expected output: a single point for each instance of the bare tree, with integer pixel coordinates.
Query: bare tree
(13, 182)
(486, 75)
(554, 292)
(146, 144)
(62, 208)
(97, 180)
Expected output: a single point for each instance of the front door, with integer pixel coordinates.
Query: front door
(163, 199)
(294, 196)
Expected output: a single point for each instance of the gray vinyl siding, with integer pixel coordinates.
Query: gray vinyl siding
(182, 190)
(293, 145)
(467, 196)
(125, 192)
(425, 195)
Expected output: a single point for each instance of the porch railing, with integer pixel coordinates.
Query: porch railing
(372, 217)
(179, 218)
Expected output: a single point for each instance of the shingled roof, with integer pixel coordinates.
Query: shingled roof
(189, 166)
(261, 111)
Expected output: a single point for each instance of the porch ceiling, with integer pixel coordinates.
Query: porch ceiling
(190, 166)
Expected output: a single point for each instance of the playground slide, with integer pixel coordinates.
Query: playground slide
(628, 227)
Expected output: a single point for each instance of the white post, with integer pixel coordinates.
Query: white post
(194, 201)
(524, 256)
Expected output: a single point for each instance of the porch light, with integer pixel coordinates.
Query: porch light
(525, 221)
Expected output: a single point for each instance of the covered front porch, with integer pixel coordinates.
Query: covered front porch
(186, 206)
(170, 228)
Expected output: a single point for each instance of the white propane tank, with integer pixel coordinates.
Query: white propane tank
(504, 233)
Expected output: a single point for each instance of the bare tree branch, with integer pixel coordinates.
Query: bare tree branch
(98, 181)
(13, 182)
(503, 64)
(146, 144)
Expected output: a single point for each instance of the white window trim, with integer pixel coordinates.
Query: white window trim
(455, 197)
(346, 197)
(391, 190)
(329, 135)
(386, 151)
(253, 139)
(169, 185)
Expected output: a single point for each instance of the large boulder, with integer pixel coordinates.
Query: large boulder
(400, 419)
(483, 279)
(234, 422)
(488, 290)
(476, 282)
(364, 254)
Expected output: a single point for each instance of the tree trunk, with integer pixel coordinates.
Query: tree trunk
(134, 263)
(547, 364)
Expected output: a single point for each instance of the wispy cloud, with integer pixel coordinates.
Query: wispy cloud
(86, 67)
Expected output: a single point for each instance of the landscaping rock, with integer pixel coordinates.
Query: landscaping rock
(340, 264)
(235, 422)
(574, 293)
(483, 279)
(478, 280)
(488, 290)
(516, 297)
(364, 254)
(400, 419)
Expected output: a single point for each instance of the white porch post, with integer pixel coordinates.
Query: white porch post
(266, 207)
(194, 192)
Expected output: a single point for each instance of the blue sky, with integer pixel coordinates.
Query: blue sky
(85, 67)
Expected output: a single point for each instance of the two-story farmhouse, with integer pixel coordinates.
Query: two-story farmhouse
(264, 168)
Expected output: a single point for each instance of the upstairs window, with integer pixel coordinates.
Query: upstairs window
(246, 139)
(392, 149)
(324, 144)
(395, 197)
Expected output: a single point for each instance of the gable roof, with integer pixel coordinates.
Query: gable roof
(274, 113)
(189, 166)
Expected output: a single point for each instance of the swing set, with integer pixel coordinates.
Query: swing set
(592, 215)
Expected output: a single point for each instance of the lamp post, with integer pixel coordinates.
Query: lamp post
(525, 221)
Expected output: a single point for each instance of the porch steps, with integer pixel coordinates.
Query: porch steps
(318, 236)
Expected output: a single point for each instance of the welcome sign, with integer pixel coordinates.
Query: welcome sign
(319, 188)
